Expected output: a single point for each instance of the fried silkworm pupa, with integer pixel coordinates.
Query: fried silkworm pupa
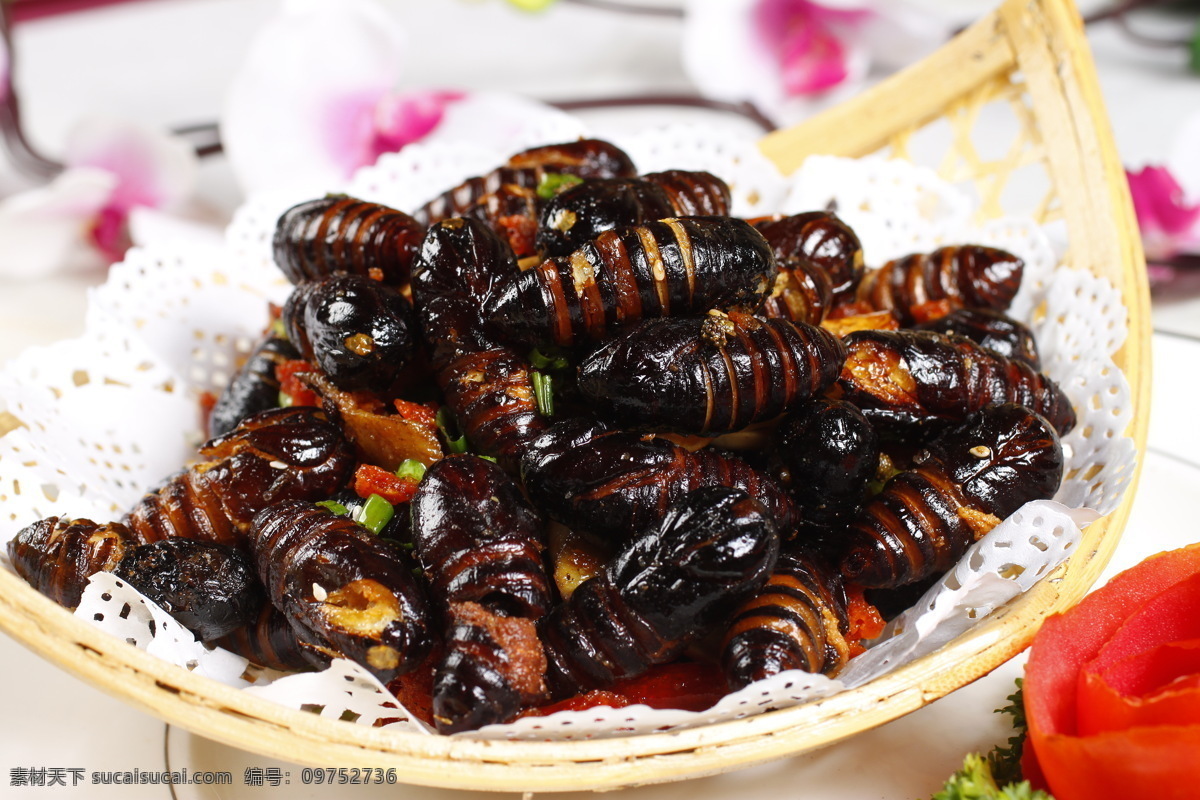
(208, 588)
(358, 331)
(831, 452)
(693, 194)
(613, 484)
(487, 385)
(803, 292)
(821, 239)
(991, 329)
(586, 158)
(797, 620)
(270, 641)
(712, 374)
(254, 388)
(967, 276)
(337, 233)
(577, 215)
(273, 456)
(480, 544)
(491, 393)
(478, 539)
(962, 485)
(912, 378)
(461, 263)
(338, 583)
(671, 584)
(494, 668)
(56, 556)
(667, 268)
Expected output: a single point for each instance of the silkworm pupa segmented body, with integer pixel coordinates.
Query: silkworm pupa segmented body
(968, 276)
(667, 268)
(797, 620)
(914, 378)
(339, 584)
(273, 456)
(669, 585)
(967, 479)
(710, 374)
(337, 233)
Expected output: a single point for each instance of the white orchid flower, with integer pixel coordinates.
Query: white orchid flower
(316, 99)
(786, 55)
(80, 218)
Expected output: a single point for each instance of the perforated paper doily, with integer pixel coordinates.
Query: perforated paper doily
(115, 411)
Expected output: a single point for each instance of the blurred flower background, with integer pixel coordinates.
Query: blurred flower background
(300, 93)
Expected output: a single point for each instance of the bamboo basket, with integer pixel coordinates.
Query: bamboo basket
(1029, 56)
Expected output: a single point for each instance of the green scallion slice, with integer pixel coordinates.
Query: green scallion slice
(375, 514)
(411, 469)
(543, 392)
(334, 507)
(554, 182)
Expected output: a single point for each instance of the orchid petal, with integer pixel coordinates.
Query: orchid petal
(301, 110)
(722, 56)
(151, 168)
(1169, 224)
(814, 60)
(45, 230)
(4, 71)
(732, 53)
(505, 122)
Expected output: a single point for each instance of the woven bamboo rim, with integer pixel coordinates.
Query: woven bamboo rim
(1034, 51)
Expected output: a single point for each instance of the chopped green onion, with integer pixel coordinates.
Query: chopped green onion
(488, 458)
(411, 469)
(375, 514)
(455, 441)
(543, 392)
(278, 330)
(554, 182)
(334, 507)
(553, 360)
(285, 400)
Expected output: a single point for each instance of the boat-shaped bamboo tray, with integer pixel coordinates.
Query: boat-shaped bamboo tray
(1029, 57)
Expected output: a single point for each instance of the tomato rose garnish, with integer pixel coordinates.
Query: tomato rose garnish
(1112, 687)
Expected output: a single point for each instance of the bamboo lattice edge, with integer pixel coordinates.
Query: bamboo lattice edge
(990, 48)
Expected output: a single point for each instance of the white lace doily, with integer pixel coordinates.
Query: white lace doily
(115, 411)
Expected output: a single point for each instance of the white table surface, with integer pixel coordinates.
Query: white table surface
(167, 63)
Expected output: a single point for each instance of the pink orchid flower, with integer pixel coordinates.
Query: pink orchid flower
(1170, 224)
(786, 55)
(315, 100)
(81, 218)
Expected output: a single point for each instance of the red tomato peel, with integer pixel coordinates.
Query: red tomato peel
(370, 479)
(1077, 733)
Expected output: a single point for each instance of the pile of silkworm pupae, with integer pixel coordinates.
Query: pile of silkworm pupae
(570, 436)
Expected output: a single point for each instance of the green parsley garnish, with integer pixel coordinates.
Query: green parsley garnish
(998, 776)
(976, 782)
